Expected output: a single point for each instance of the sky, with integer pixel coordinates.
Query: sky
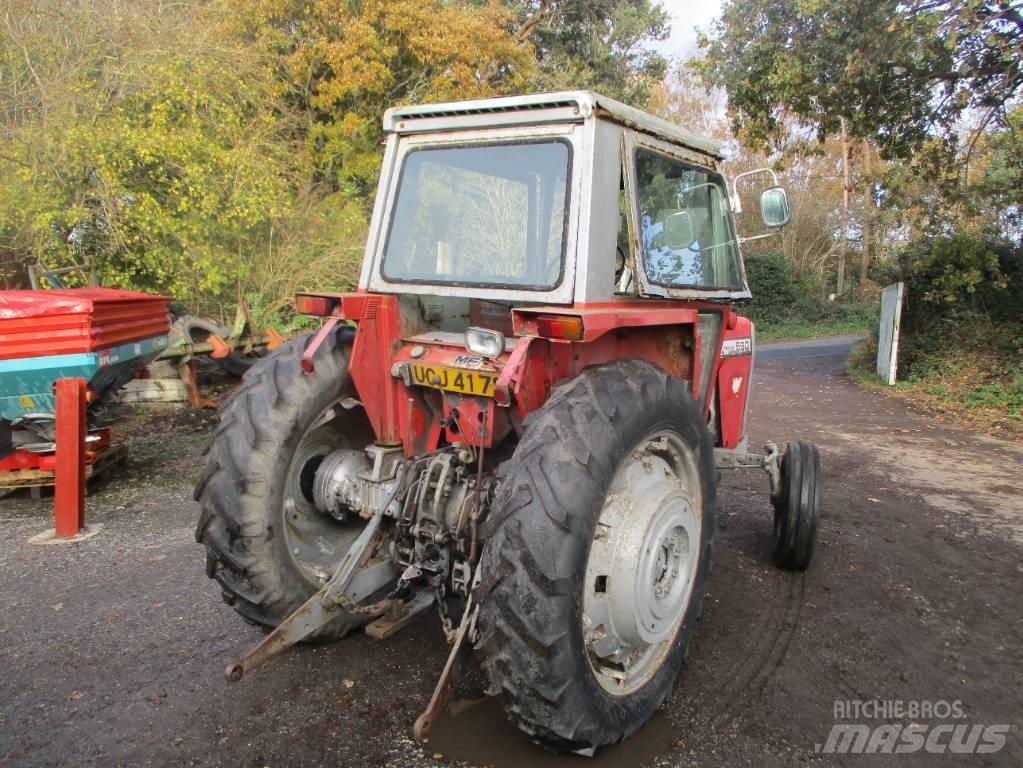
(686, 16)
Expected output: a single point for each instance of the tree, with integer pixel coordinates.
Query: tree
(132, 142)
(598, 44)
(811, 173)
(896, 72)
(341, 65)
(207, 149)
(211, 148)
(683, 98)
(997, 182)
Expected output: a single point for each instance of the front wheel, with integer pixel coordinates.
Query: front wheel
(797, 508)
(598, 547)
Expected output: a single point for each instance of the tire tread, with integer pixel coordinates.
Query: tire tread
(527, 583)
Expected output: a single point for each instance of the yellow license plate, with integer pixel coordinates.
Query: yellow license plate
(454, 379)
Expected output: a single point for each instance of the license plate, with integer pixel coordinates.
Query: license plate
(454, 379)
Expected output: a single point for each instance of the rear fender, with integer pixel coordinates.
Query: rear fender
(733, 381)
(546, 362)
(377, 339)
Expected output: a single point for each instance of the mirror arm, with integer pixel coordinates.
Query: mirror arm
(760, 237)
(736, 202)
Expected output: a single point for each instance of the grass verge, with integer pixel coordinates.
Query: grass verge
(790, 329)
(975, 387)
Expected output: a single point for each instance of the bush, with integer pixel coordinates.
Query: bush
(963, 296)
(775, 288)
(961, 342)
(783, 297)
(960, 274)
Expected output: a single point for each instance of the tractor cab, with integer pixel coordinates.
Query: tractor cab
(558, 199)
(569, 223)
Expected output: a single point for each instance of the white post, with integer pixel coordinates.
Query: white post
(888, 333)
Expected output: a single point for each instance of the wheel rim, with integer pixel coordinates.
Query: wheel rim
(642, 564)
(316, 541)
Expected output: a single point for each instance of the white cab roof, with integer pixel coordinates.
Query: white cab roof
(539, 107)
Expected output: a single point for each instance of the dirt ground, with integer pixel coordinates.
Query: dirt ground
(112, 650)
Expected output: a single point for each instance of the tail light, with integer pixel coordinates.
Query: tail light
(567, 327)
(308, 304)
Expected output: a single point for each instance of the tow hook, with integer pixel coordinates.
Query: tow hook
(323, 607)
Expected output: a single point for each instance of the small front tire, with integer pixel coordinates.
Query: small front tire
(797, 509)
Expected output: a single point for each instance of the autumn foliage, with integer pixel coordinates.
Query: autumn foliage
(231, 147)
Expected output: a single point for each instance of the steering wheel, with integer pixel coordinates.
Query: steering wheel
(623, 275)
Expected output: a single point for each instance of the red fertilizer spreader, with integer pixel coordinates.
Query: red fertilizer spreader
(101, 335)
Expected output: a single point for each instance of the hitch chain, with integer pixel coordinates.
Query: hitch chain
(445, 616)
(342, 601)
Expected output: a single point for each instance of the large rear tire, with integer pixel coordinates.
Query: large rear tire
(266, 544)
(238, 365)
(598, 547)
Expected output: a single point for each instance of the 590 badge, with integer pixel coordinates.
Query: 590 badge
(737, 347)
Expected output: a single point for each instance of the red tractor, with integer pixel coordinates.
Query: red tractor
(518, 417)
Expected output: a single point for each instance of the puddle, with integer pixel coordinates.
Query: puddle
(478, 732)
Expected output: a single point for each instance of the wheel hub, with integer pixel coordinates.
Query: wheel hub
(317, 540)
(640, 571)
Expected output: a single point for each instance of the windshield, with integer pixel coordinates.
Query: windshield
(687, 234)
(485, 215)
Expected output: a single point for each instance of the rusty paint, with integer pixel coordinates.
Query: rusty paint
(186, 372)
(273, 339)
(221, 348)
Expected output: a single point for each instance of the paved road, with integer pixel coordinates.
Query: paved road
(112, 651)
(832, 346)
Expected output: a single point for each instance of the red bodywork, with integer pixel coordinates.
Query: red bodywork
(420, 418)
(733, 383)
(72, 320)
(19, 460)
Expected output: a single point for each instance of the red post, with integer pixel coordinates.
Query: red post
(69, 490)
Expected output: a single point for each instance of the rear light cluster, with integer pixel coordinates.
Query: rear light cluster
(322, 306)
(567, 327)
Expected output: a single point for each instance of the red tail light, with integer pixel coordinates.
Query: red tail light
(568, 327)
(322, 306)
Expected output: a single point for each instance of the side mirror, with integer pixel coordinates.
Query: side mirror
(774, 207)
(678, 230)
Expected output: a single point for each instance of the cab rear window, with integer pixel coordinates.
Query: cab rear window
(483, 215)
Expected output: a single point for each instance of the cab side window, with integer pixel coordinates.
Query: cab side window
(624, 280)
(685, 231)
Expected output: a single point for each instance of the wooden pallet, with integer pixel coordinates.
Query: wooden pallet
(35, 479)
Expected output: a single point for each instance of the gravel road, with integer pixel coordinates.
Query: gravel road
(112, 650)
